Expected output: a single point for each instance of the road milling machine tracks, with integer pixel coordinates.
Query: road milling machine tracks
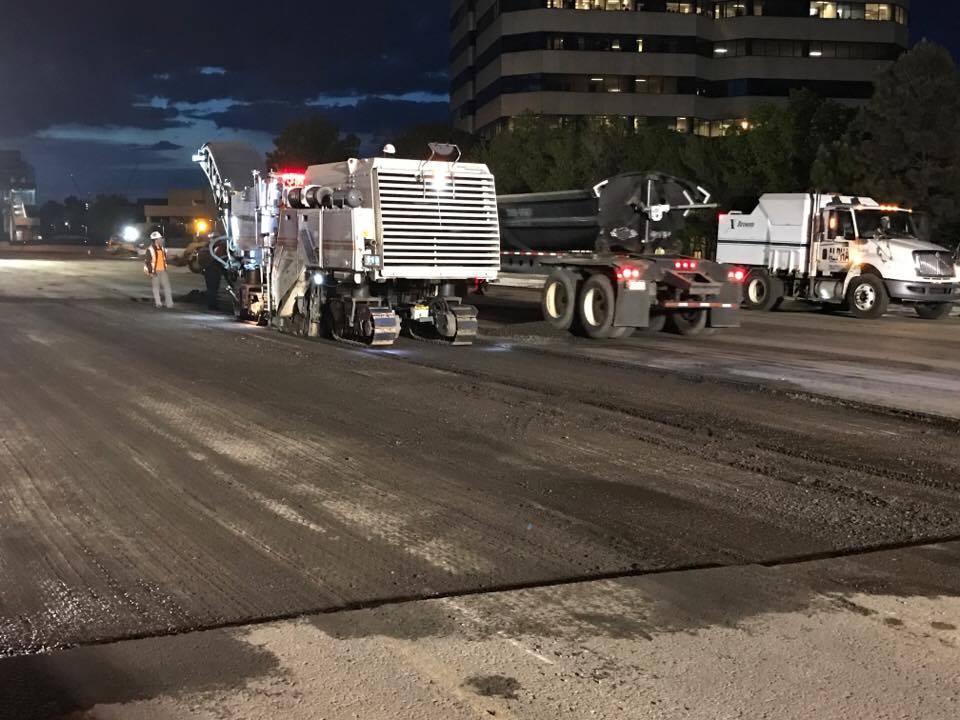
(356, 250)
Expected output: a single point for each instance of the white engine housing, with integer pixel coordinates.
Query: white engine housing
(433, 220)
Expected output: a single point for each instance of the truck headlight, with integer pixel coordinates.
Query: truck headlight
(130, 234)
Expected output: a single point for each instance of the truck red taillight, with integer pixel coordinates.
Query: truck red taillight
(737, 275)
(292, 178)
(686, 265)
(628, 272)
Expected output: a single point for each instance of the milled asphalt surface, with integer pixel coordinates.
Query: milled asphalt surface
(176, 472)
(865, 637)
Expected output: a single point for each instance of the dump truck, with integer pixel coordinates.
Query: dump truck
(356, 250)
(612, 257)
(840, 252)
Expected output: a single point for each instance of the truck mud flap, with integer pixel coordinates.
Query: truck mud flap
(724, 318)
(731, 296)
(633, 309)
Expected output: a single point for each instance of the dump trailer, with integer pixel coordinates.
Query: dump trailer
(357, 250)
(611, 256)
(838, 251)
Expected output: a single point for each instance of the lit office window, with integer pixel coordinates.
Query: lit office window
(730, 9)
(878, 11)
(823, 9)
(592, 4)
(684, 8)
(885, 12)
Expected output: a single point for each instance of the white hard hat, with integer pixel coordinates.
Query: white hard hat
(156, 236)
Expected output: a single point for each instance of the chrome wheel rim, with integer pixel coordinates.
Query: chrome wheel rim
(594, 308)
(757, 291)
(557, 300)
(865, 298)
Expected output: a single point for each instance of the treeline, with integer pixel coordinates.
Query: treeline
(903, 147)
(98, 218)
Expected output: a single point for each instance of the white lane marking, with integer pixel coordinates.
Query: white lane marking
(400, 532)
(276, 507)
(472, 616)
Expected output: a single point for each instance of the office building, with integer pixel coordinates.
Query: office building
(695, 66)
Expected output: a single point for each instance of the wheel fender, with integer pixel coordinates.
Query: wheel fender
(856, 272)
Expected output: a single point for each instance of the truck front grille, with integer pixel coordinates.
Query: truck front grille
(443, 230)
(932, 264)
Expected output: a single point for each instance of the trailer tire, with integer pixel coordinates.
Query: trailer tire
(867, 297)
(559, 299)
(688, 324)
(658, 323)
(762, 291)
(596, 306)
(622, 333)
(933, 311)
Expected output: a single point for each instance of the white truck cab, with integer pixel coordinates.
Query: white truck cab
(840, 251)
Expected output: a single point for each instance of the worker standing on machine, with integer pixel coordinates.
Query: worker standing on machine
(156, 268)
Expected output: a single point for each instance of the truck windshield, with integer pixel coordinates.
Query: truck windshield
(871, 224)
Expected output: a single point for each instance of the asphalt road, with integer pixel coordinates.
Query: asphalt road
(171, 471)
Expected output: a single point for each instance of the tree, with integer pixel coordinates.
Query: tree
(904, 145)
(108, 213)
(74, 216)
(414, 142)
(52, 217)
(311, 141)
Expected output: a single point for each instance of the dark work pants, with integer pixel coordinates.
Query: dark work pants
(212, 274)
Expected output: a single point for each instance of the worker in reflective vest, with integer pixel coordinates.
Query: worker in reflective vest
(156, 268)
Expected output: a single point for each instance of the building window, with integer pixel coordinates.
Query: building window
(590, 4)
(878, 11)
(829, 10)
(730, 9)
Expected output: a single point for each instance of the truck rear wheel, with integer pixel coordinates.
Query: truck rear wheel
(597, 305)
(658, 323)
(559, 299)
(689, 323)
(933, 311)
(762, 291)
(867, 297)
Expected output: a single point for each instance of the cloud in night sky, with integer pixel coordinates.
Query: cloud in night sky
(114, 97)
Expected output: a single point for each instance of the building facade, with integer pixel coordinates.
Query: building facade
(178, 216)
(18, 195)
(16, 179)
(696, 66)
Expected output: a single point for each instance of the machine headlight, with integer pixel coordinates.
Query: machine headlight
(130, 234)
(441, 180)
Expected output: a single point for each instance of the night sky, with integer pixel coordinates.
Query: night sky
(106, 96)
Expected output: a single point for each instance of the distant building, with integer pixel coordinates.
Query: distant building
(696, 66)
(16, 176)
(177, 216)
(18, 195)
